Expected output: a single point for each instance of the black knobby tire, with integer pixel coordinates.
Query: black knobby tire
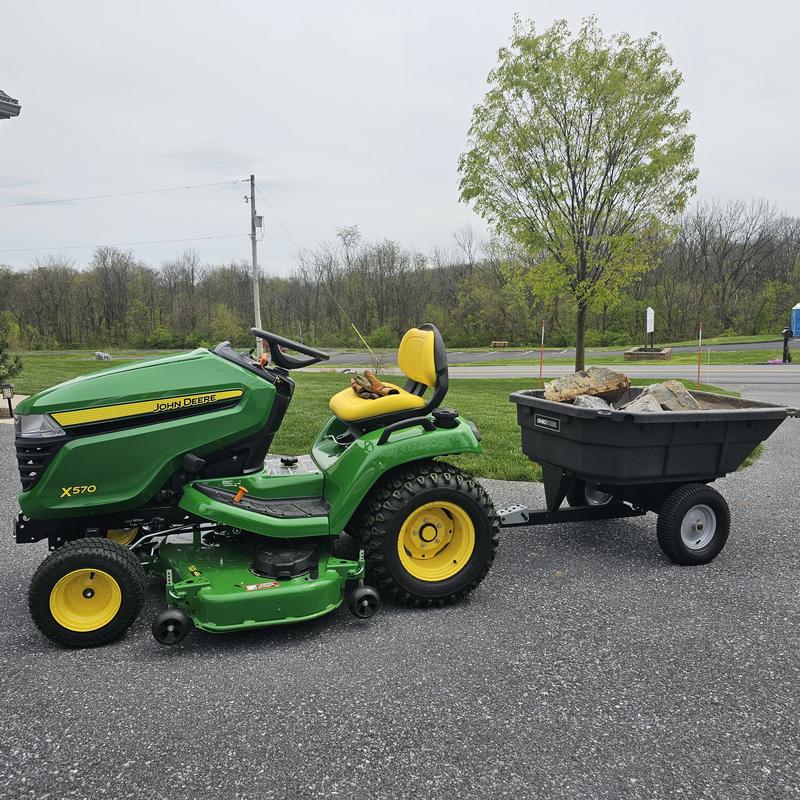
(355, 527)
(685, 520)
(577, 495)
(98, 554)
(389, 504)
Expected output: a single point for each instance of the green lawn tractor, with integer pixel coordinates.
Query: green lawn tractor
(161, 467)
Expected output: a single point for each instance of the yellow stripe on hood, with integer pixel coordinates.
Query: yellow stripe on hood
(159, 406)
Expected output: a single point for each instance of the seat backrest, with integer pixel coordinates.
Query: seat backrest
(416, 356)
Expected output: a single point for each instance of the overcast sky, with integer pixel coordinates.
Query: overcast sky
(347, 112)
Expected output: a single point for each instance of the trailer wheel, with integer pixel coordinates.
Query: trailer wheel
(693, 524)
(87, 593)
(429, 534)
(584, 494)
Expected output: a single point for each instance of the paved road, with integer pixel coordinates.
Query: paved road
(584, 666)
(460, 357)
(733, 376)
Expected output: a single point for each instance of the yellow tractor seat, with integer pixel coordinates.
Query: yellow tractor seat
(423, 359)
(349, 407)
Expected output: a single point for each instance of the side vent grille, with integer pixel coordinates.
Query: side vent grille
(33, 458)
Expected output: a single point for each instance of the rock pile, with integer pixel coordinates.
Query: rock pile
(600, 388)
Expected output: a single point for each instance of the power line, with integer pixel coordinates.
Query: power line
(324, 286)
(121, 244)
(280, 221)
(119, 194)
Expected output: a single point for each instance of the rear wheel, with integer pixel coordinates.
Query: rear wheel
(693, 524)
(429, 534)
(583, 494)
(87, 593)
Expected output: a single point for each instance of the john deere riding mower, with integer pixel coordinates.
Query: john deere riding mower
(162, 468)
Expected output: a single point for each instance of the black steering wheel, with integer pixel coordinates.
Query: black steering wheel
(283, 360)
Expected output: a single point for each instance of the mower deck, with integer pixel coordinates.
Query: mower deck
(217, 588)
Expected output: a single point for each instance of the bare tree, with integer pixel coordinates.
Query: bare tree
(467, 244)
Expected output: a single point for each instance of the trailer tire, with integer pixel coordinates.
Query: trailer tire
(431, 509)
(584, 494)
(693, 524)
(87, 593)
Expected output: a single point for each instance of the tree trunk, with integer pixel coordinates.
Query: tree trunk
(580, 336)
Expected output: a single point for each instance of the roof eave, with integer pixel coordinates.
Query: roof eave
(8, 110)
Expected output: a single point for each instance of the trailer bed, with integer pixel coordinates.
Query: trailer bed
(619, 447)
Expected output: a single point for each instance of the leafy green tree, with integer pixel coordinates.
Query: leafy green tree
(580, 153)
(10, 365)
(224, 325)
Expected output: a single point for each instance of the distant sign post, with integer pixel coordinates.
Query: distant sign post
(650, 328)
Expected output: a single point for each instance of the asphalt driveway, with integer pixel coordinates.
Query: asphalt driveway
(584, 666)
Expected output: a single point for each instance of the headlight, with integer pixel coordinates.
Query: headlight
(37, 426)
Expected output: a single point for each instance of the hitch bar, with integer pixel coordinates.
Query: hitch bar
(518, 515)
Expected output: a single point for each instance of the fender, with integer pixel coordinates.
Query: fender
(350, 472)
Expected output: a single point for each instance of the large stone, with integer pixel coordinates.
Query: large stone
(595, 381)
(644, 403)
(672, 396)
(589, 401)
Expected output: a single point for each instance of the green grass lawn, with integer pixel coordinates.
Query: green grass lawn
(44, 368)
(483, 400)
(714, 340)
(716, 357)
(726, 340)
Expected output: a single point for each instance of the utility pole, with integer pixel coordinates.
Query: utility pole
(255, 222)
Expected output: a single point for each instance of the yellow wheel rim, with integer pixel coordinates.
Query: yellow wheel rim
(85, 600)
(436, 541)
(123, 536)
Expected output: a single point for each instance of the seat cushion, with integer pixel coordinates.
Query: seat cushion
(349, 407)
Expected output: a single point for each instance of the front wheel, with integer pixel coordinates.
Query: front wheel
(123, 536)
(429, 534)
(87, 593)
(693, 524)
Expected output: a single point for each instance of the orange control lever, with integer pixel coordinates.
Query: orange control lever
(237, 498)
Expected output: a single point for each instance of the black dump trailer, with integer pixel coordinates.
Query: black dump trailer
(611, 463)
